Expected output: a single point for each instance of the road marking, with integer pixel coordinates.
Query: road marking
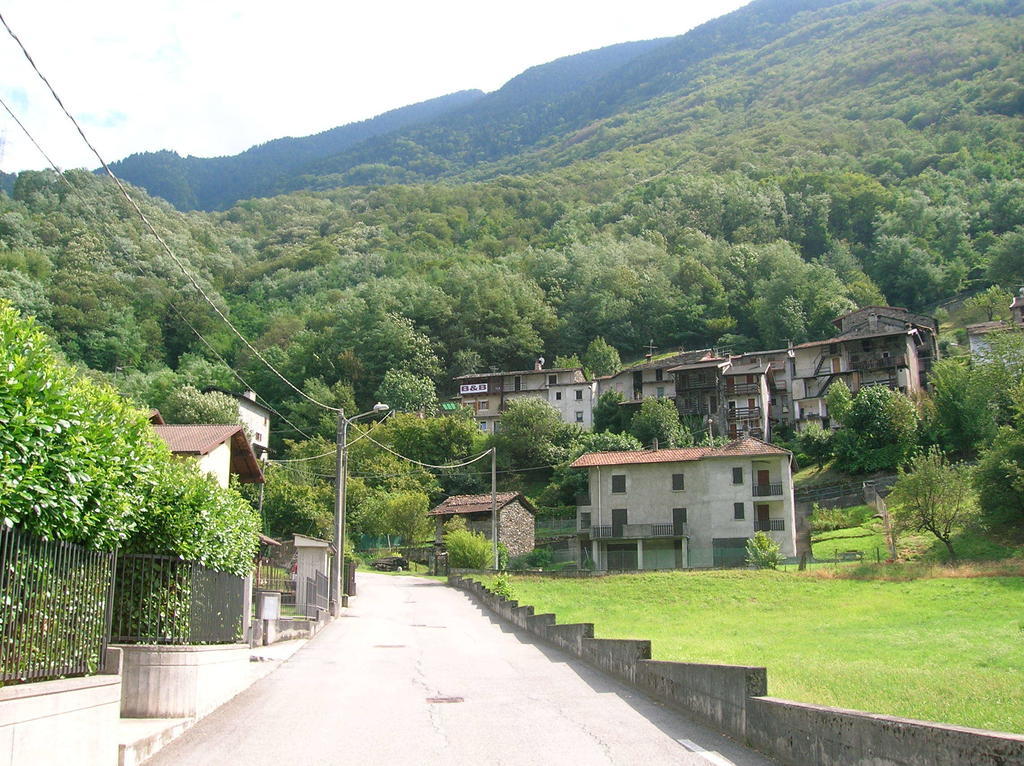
(709, 755)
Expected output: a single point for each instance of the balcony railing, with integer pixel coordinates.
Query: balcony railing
(742, 388)
(689, 384)
(766, 490)
(878, 362)
(770, 525)
(744, 413)
(635, 531)
(696, 409)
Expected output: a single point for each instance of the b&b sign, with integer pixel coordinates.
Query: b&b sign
(473, 388)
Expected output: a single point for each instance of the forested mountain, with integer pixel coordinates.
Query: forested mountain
(191, 183)
(738, 186)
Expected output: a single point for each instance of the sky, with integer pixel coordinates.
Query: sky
(214, 77)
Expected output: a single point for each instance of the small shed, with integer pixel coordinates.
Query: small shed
(312, 555)
(516, 518)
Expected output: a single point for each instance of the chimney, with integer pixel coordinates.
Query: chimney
(250, 395)
(654, 445)
(873, 322)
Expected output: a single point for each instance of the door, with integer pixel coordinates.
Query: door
(638, 385)
(763, 524)
(618, 521)
(763, 477)
(836, 364)
(678, 521)
(729, 551)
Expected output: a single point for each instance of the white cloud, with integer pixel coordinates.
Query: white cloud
(211, 78)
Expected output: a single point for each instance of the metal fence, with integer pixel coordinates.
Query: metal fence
(164, 600)
(270, 577)
(54, 607)
(316, 594)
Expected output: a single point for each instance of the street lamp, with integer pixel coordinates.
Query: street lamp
(340, 482)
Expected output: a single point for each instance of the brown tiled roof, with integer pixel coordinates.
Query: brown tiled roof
(986, 327)
(745, 447)
(203, 439)
(856, 336)
(517, 372)
(478, 503)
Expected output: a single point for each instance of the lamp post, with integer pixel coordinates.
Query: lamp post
(340, 481)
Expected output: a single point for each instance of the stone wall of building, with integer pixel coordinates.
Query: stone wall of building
(517, 529)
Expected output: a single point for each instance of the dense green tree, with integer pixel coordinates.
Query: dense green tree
(999, 480)
(531, 433)
(406, 392)
(609, 414)
(839, 400)
(993, 303)
(964, 407)
(601, 359)
(190, 405)
(657, 420)
(879, 432)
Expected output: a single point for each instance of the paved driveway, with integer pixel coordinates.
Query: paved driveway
(416, 673)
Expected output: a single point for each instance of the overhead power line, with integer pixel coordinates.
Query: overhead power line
(170, 304)
(153, 231)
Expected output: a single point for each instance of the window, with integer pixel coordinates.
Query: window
(678, 520)
(618, 483)
(517, 383)
(579, 394)
(484, 404)
(737, 511)
(552, 379)
(661, 392)
(483, 426)
(585, 520)
(677, 482)
(579, 416)
(659, 374)
(737, 475)
(497, 426)
(558, 396)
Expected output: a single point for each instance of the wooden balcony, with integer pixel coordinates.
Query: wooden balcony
(742, 388)
(744, 413)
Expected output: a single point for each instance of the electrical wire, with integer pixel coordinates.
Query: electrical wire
(153, 231)
(170, 304)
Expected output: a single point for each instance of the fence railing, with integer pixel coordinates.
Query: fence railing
(270, 577)
(54, 607)
(316, 594)
(164, 600)
(770, 525)
(555, 527)
(766, 490)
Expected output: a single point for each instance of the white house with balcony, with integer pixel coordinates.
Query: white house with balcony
(564, 388)
(683, 508)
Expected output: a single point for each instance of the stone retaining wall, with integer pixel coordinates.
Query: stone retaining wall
(733, 699)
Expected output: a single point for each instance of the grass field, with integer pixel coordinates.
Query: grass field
(941, 649)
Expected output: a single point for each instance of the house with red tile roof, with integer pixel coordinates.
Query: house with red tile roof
(220, 450)
(516, 525)
(686, 507)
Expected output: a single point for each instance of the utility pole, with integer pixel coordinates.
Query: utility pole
(340, 485)
(494, 505)
(339, 514)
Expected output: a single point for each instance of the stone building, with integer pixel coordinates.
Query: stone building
(515, 518)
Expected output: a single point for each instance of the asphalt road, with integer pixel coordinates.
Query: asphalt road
(416, 673)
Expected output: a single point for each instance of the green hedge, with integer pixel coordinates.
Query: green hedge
(81, 464)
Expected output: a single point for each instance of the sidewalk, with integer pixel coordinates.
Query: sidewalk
(140, 738)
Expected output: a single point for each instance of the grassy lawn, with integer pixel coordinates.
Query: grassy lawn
(943, 649)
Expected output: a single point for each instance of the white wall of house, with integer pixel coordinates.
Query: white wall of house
(709, 497)
(574, 402)
(217, 463)
(255, 421)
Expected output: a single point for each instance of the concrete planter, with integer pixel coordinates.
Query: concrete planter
(181, 681)
(73, 720)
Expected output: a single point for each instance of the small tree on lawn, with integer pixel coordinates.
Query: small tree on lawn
(934, 496)
(763, 552)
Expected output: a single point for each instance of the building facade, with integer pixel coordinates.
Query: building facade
(683, 508)
(516, 523)
(566, 389)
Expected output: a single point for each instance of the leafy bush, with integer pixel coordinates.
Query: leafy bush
(79, 463)
(763, 552)
(466, 549)
(501, 585)
(538, 558)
